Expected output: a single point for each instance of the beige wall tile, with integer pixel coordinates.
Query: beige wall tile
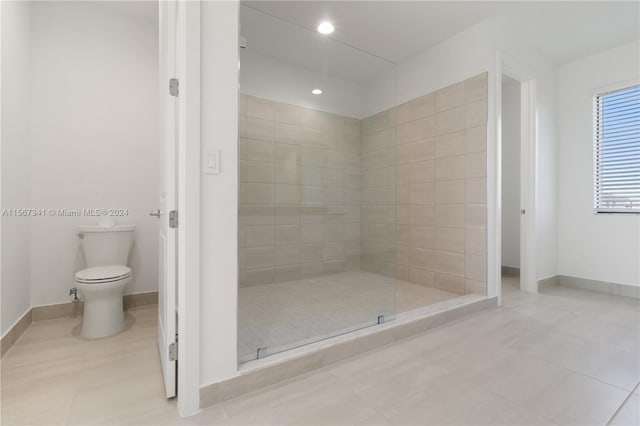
(450, 192)
(403, 134)
(286, 154)
(287, 254)
(402, 234)
(423, 128)
(477, 139)
(287, 234)
(258, 150)
(402, 194)
(258, 276)
(260, 108)
(450, 168)
(449, 263)
(403, 113)
(311, 233)
(477, 114)
(402, 255)
(421, 193)
(261, 129)
(311, 252)
(475, 241)
(450, 239)
(402, 213)
(287, 173)
(311, 156)
(450, 144)
(402, 154)
(475, 287)
(260, 193)
(422, 150)
(476, 165)
(451, 97)
(286, 273)
(260, 235)
(477, 88)
(422, 171)
(450, 215)
(286, 113)
(256, 171)
(313, 176)
(421, 214)
(476, 216)
(475, 191)
(287, 133)
(421, 276)
(333, 232)
(453, 120)
(260, 257)
(288, 194)
(450, 283)
(422, 237)
(333, 250)
(422, 106)
(421, 258)
(475, 267)
(310, 269)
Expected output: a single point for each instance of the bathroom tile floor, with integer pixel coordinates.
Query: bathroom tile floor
(289, 314)
(564, 356)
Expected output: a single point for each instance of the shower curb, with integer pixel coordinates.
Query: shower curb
(256, 375)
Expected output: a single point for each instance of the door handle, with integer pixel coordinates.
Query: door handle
(157, 213)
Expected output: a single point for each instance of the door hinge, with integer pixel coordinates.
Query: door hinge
(173, 350)
(173, 219)
(174, 87)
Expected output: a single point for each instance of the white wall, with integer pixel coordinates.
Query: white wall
(94, 136)
(16, 177)
(268, 78)
(598, 247)
(219, 193)
(510, 172)
(456, 59)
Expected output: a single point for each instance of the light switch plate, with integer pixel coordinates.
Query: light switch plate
(211, 162)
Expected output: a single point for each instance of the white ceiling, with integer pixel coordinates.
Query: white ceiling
(397, 30)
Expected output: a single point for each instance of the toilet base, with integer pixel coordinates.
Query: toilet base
(103, 311)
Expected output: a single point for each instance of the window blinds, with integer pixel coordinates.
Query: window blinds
(617, 151)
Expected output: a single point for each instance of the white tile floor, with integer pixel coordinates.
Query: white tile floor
(562, 357)
(289, 314)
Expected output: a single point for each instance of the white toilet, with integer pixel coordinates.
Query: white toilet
(106, 250)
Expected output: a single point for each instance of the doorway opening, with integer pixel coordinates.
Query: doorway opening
(511, 183)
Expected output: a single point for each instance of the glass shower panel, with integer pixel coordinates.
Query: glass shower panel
(317, 187)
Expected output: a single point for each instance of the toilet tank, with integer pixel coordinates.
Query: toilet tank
(106, 245)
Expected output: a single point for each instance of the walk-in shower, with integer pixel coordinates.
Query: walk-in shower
(351, 208)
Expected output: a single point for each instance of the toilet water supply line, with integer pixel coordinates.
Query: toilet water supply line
(74, 291)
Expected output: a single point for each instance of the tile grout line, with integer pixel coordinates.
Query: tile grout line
(613, 416)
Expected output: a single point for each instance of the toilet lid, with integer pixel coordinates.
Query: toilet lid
(103, 274)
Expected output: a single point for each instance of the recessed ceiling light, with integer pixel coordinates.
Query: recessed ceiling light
(316, 92)
(325, 27)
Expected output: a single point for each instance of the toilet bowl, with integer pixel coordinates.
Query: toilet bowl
(106, 249)
(102, 289)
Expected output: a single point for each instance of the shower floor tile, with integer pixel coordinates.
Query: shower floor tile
(288, 314)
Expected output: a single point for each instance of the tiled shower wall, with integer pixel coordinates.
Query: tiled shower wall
(438, 143)
(299, 192)
(405, 187)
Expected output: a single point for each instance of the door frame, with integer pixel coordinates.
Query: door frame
(512, 68)
(188, 164)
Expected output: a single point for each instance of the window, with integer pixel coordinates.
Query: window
(617, 151)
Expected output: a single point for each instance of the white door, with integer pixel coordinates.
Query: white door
(167, 344)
